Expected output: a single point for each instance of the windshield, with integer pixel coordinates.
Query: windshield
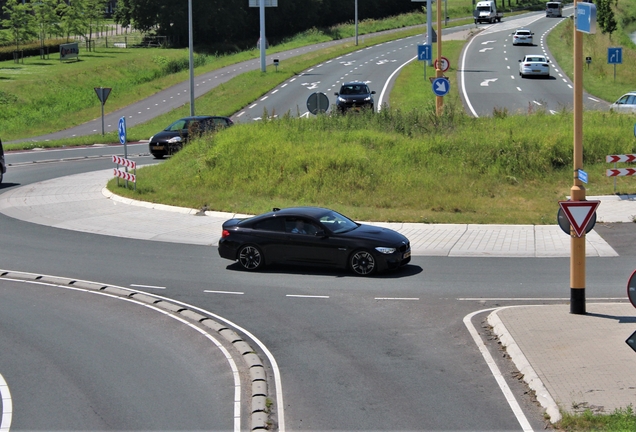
(337, 223)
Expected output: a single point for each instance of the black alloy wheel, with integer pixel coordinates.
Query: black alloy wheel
(250, 258)
(362, 263)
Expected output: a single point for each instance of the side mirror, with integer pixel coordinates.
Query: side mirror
(372, 91)
(336, 94)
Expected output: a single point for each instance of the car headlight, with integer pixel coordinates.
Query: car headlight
(367, 99)
(341, 99)
(150, 140)
(174, 140)
(385, 250)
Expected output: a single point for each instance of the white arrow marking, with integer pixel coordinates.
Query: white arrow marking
(553, 112)
(485, 49)
(488, 42)
(488, 81)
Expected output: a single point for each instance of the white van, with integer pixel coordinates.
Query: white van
(554, 9)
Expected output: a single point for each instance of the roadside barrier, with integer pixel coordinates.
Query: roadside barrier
(620, 172)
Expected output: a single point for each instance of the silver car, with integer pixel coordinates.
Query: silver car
(534, 65)
(626, 103)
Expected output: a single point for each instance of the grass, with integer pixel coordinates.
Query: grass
(620, 420)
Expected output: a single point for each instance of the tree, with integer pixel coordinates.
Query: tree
(46, 19)
(605, 17)
(70, 18)
(20, 22)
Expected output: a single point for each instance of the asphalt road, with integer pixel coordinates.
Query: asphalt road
(86, 361)
(489, 75)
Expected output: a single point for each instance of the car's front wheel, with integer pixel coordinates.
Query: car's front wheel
(250, 258)
(362, 263)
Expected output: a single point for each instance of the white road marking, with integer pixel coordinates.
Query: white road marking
(396, 298)
(224, 292)
(7, 406)
(512, 401)
(306, 296)
(488, 81)
(485, 49)
(147, 286)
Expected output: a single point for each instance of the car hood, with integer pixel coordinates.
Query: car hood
(383, 236)
(166, 135)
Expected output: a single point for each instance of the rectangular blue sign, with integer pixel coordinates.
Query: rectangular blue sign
(424, 52)
(615, 55)
(586, 17)
(583, 176)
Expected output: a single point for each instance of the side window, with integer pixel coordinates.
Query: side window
(178, 126)
(300, 226)
(623, 99)
(270, 224)
(631, 100)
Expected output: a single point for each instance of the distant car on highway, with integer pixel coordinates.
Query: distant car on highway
(354, 96)
(312, 236)
(522, 37)
(3, 165)
(625, 103)
(534, 65)
(554, 9)
(172, 139)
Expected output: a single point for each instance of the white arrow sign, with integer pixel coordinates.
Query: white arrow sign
(485, 49)
(488, 42)
(488, 81)
(441, 86)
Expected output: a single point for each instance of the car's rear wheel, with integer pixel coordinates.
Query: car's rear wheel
(250, 258)
(362, 263)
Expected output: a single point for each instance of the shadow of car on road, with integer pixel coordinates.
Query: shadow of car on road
(406, 271)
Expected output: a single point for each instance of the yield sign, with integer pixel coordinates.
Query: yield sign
(579, 213)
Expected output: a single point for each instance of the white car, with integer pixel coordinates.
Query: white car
(536, 64)
(522, 37)
(626, 103)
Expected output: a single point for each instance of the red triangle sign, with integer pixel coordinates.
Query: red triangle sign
(579, 213)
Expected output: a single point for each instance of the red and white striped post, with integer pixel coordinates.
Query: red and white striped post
(620, 172)
(127, 163)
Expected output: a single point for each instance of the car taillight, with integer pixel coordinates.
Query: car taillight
(225, 233)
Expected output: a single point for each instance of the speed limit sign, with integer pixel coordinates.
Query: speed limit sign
(442, 63)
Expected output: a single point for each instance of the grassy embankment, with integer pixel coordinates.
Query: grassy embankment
(406, 164)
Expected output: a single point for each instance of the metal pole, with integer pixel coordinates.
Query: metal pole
(429, 28)
(191, 46)
(263, 43)
(356, 21)
(577, 192)
(439, 102)
(101, 98)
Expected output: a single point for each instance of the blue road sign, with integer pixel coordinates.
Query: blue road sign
(424, 52)
(615, 55)
(582, 176)
(441, 86)
(121, 128)
(586, 17)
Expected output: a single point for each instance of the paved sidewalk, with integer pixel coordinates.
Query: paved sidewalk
(572, 362)
(81, 203)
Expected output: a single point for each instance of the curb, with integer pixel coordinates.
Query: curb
(259, 405)
(530, 377)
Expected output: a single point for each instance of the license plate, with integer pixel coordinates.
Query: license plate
(157, 147)
(406, 255)
(536, 70)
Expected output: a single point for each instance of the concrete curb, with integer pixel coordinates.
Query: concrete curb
(522, 363)
(259, 405)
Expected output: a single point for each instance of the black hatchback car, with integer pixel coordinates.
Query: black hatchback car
(354, 96)
(172, 139)
(312, 236)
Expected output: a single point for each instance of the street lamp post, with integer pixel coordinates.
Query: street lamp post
(356, 21)
(191, 46)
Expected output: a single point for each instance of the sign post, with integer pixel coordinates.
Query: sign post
(424, 53)
(585, 22)
(102, 95)
(614, 57)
